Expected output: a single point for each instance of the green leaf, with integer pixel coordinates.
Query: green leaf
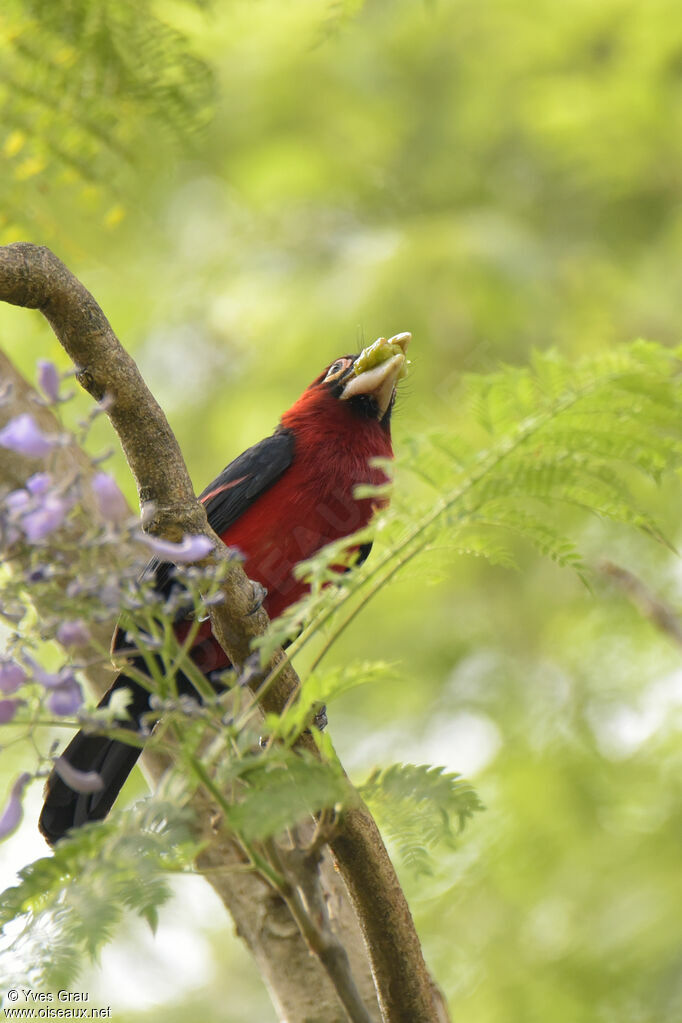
(281, 789)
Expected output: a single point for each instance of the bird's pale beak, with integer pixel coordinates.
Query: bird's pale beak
(377, 370)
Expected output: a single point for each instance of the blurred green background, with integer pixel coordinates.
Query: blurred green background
(253, 188)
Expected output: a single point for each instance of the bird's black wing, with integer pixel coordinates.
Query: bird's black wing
(231, 493)
(246, 478)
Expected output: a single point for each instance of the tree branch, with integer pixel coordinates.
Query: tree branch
(32, 276)
(305, 899)
(651, 607)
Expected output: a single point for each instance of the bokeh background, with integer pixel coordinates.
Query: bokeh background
(253, 188)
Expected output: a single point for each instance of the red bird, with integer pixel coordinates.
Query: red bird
(279, 502)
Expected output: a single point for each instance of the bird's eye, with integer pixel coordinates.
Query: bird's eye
(337, 368)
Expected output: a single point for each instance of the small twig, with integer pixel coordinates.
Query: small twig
(647, 603)
(303, 895)
(325, 828)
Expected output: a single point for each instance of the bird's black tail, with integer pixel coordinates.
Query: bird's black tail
(111, 759)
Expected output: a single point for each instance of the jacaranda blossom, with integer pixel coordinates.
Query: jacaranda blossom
(13, 811)
(65, 699)
(48, 379)
(111, 503)
(39, 483)
(192, 548)
(8, 709)
(74, 633)
(23, 435)
(47, 516)
(79, 781)
(49, 679)
(12, 675)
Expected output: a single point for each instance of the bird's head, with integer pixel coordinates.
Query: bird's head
(356, 387)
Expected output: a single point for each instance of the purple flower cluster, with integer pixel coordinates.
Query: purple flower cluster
(12, 675)
(8, 709)
(65, 696)
(64, 692)
(35, 511)
(75, 633)
(93, 580)
(31, 515)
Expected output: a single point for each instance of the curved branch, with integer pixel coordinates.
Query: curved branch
(32, 276)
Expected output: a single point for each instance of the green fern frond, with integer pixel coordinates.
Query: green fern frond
(579, 435)
(281, 789)
(419, 807)
(544, 537)
(63, 67)
(71, 902)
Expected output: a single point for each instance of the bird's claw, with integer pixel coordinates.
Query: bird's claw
(320, 720)
(259, 595)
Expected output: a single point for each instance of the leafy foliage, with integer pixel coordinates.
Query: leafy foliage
(68, 904)
(321, 688)
(279, 790)
(564, 434)
(64, 68)
(419, 807)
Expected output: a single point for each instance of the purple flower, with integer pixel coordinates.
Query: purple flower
(8, 709)
(11, 815)
(44, 519)
(192, 548)
(49, 679)
(65, 699)
(111, 503)
(79, 781)
(48, 379)
(12, 675)
(17, 500)
(74, 633)
(65, 693)
(9, 536)
(38, 484)
(23, 435)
